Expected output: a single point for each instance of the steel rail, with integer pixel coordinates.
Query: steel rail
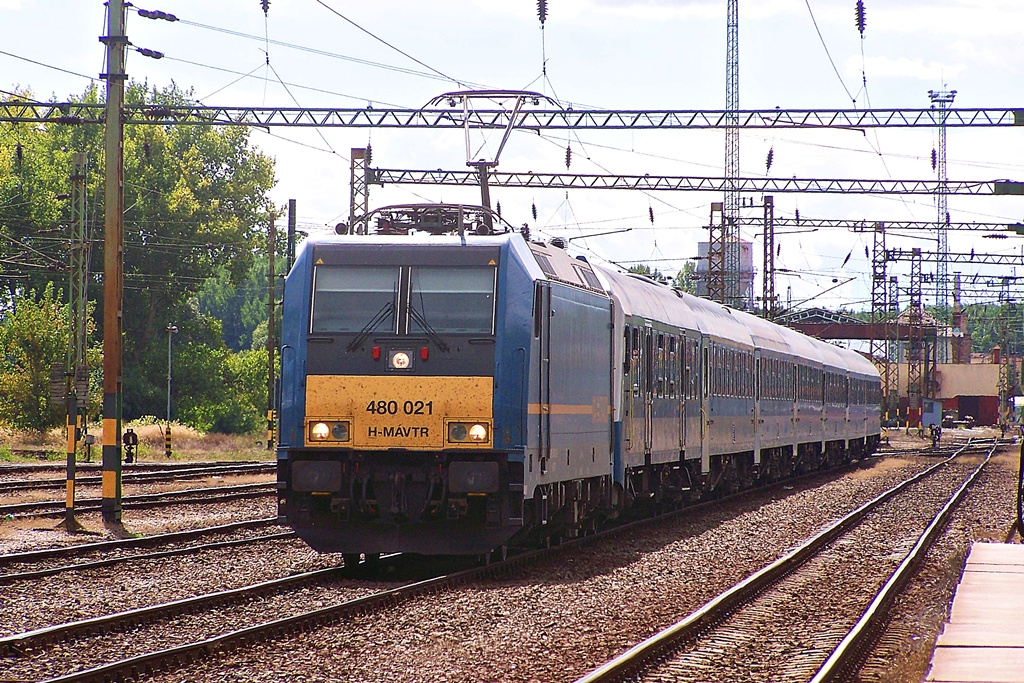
(10, 467)
(860, 636)
(202, 495)
(170, 658)
(143, 541)
(30, 640)
(159, 475)
(631, 662)
(188, 550)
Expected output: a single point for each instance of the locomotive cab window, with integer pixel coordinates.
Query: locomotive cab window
(451, 300)
(347, 298)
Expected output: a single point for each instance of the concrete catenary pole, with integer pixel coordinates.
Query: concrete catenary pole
(113, 254)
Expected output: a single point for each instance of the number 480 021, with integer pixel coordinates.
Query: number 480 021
(382, 407)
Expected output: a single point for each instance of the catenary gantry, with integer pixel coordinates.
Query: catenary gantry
(528, 119)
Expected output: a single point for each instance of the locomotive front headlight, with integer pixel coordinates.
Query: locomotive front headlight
(339, 430)
(401, 360)
(478, 432)
(319, 431)
(472, 432)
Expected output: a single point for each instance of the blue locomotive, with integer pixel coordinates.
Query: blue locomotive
(449, 386)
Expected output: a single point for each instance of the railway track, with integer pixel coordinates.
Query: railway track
(49, 561)
(211, 494)
(781, 622)
(134, 663)
(199, 632)
(156, 475)
(8, 469)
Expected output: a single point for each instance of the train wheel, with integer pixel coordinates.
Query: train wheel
(351, 560)
(500, 554)
(372, 560)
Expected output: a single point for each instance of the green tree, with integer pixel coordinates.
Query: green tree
(33, 336)
(647, 271)
(195, 208)
(241, 308)
(686, 279)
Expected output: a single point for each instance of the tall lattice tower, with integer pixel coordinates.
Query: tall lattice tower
(359, 190)
(731, 242)
(941, 99)
(915, 345)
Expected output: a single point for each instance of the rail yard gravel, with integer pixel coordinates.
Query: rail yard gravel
(25, 534)
(75, 595)
(558, 620)
(903, 652)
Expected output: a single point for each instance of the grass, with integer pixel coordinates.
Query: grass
(187, 445)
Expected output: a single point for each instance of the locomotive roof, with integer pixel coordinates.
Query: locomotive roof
(643, 297)
(636, 296)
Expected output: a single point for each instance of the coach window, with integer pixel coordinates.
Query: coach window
(659, 369)
(626, 351)
(705, 378)
(348, 298)
(451, 300)
(673, 368)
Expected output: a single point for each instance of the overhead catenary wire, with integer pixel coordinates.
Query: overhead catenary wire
(396, 49)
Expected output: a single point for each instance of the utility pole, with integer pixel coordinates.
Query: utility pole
(271, 295)
(77, 374)
(113, 258)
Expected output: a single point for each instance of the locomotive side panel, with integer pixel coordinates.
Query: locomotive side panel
(569, 414)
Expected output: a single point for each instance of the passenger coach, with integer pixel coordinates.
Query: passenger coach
(447, 389)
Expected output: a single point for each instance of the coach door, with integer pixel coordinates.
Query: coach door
(542, 330)
(684, 374)
(756, 410)
(648, 389)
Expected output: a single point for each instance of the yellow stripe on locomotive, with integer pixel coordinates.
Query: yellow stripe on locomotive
(375, 412)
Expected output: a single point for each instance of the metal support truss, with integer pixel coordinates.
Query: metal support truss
(78, 280)
(915, 346)
(892, 376)
(731, 195)
(943, 99)
(972, 257)
(768, 303)
(716, 253)
(879, 314)
(71, 113)
(387, 176)
(359, 191)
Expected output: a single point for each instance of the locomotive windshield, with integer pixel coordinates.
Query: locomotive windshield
(346, 299)
(451, 300)
(415, 300)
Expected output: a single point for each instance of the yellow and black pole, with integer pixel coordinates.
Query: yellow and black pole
(113, 259)
(72, 427)
(171, 330)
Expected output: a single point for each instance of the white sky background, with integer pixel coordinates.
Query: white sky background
(613, 54)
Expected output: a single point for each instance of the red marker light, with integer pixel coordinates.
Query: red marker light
(424, 353)
(376, 353)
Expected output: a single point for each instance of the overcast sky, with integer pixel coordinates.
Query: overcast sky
(612, 54)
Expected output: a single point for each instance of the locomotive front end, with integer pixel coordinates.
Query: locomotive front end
(388, 419)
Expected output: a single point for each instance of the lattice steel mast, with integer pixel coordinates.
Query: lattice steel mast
(942, 98)
(730, 231)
